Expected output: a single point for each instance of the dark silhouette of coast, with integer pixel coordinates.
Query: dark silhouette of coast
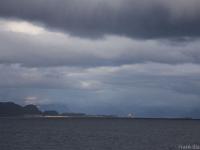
(10, 109)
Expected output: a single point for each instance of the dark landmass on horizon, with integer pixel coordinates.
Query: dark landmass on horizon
(10, 109)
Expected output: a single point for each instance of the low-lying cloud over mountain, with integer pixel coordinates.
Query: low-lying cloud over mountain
(98, 56)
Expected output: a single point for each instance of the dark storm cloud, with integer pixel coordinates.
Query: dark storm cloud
(134, 18)
(104, 68)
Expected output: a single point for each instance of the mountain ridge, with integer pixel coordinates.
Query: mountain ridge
(12, 109)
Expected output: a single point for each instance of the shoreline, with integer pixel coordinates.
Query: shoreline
(91, 117)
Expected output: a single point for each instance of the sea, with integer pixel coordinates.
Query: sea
(98, 134)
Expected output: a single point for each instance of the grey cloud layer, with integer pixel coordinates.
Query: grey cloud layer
(118, 90)
(93, 18)
(133, 60)
(58, 49)
(149, 75)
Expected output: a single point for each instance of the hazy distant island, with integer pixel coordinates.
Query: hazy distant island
(10, 109)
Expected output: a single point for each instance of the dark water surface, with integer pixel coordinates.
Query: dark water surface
(97, 134)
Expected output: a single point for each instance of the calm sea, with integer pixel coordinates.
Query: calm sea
(98, 134)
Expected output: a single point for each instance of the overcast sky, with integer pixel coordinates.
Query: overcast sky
(102, 56)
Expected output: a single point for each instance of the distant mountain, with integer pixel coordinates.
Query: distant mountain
(12, 109)
(54, 106)
(31, 110)
(8, 109)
